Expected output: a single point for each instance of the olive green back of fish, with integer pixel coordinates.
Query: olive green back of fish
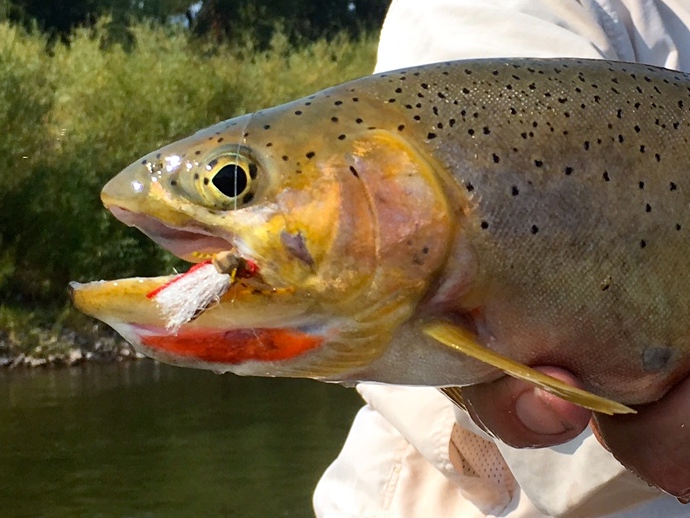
(577, 175)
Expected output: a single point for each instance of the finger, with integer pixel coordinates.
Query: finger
(655, 442)
(523, 415)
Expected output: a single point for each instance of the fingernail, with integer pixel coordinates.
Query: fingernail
(536, 413)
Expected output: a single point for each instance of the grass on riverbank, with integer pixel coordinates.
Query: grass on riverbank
(74, 116)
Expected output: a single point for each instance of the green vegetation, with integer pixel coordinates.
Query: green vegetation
(73, 116)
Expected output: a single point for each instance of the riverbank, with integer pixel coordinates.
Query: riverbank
(42, 347)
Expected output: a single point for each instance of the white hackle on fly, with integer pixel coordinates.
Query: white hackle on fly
(189, 294)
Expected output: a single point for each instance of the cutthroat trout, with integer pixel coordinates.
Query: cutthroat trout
(525, 211)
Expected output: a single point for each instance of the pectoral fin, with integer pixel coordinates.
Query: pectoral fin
(464, 342)
(455, 395)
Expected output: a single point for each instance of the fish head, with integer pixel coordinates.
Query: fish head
(347, 222)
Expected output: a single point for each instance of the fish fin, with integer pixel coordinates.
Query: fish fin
(455, 395)
(464, 342)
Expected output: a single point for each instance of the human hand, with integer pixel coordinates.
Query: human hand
(654, 443)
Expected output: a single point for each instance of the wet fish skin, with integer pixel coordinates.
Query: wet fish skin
(562, 236)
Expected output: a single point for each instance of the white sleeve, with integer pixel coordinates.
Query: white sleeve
(647, 31)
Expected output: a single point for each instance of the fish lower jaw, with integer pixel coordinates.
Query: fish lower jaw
(243, 351)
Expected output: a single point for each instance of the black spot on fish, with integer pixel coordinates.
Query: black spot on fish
(338, 103)
(606, 284)
(538, 163)
(641, 185)
(354, 172)
(606, 177)
(334, 119)
(285, 158)
(484, 225)
(534, 229)
(568, 171)
(655, 358)
(252, 171)
(196, 176)
(469, 187)
(514, 190)
(341, 137)
(310, 155)
(359, 121)
(643, 243)
(672, 186)
(248, 197)
(431, 135)
(206, 181)
(173, 182)
(267, 126)
(496, 158)
(298, 112)
(486, 130)
(648, 208)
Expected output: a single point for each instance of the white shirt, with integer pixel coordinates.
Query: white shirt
(409, 452)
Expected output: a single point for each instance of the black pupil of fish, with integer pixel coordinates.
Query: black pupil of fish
(231, 180)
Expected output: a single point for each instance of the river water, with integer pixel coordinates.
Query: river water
(141, 439)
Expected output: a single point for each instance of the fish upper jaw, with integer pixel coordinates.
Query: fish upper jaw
(192, 244)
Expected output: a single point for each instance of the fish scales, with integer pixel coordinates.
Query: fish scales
(567, 192)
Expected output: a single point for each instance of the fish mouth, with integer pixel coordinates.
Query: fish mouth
(191, 244)
(254, 322)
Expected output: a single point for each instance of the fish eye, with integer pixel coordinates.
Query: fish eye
(226, 181)
(232, 180)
